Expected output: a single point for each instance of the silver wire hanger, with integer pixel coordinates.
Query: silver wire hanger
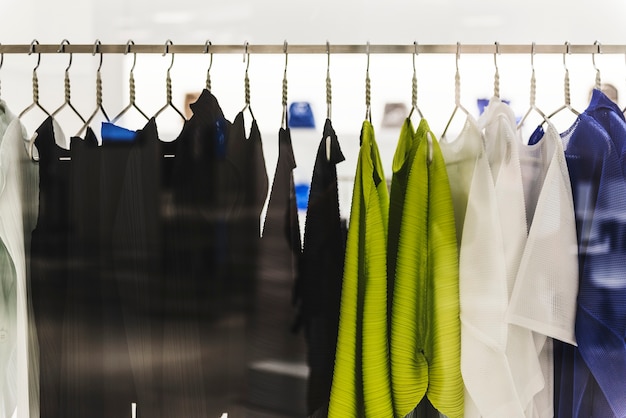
(131, 84)
(496, 75)
(533, 92)
(207, 45)
(593, 60)
(168, 85)
(368, 107)
(329, 98)
(35, 102)
(284, 97)
(246, 59)
(67, 102)
(329, 94)
(99, 107)
(624, 110)
(457, 92)
(566, 89)
(414, 107)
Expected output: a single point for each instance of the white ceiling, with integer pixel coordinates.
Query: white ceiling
(314, 21)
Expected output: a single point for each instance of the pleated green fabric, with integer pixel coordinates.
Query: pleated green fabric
(402, 160)
(361, 381)
(425, 325)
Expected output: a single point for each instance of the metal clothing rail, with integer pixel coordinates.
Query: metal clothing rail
(206, 48)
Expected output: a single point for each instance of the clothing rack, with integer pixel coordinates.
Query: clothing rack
(168, 47)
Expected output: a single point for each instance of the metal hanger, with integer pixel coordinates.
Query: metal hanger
(329, 95)
(496, 76)
(246, 59)
(99, 107)
(168, 86)
(593, 60)
(624, 110)
(329, 98)
(566, 89)
(284, 98)
(207, 45)
(67, 102)
(35, 102)
(368, 107)
(533, 92)
(414, 107)
(457, 92)
(131, 84)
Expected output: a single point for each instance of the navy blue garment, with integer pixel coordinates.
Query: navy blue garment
(317, 293)
(590, 379)
(601, 316)
(587, 148)
(611, 118)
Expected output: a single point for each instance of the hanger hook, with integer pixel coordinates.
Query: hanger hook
(368, 109)
(1, 58)
(96, 49)
(128, 45)
(285, 51)
(62, 49)
(328, 56)
(168, 43)
(458, 54)
(495, 55)
(414, 55)
(593, 60)
(284, 98)
(532, 56)
(207, 46)
(246, 55)
(567, 52)
(593, 54)
(32, 50)
(328, 83)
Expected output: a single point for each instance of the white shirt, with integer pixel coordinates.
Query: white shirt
(19, 180)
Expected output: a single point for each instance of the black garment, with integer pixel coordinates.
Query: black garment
(114, 253)
(49, 263)
(279, 261)
(132, 237)
(243, 187)
(82, 385)
(318, 290)
(194, 284)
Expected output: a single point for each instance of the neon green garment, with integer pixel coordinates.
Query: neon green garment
(361, 381)
(425, 324)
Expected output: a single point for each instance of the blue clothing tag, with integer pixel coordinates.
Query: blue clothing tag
(113, 133)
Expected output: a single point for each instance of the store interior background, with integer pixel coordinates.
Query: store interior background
(312, 22)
